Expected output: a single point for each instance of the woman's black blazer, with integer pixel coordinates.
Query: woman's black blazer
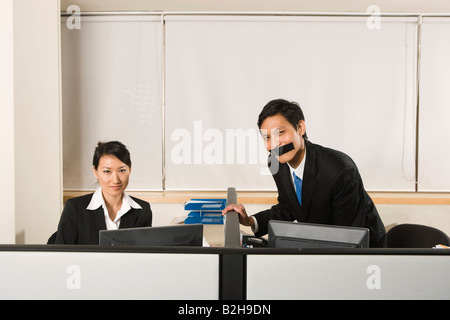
(81, 226)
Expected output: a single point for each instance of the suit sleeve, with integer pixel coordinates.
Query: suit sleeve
(68, 225)
(277, 212)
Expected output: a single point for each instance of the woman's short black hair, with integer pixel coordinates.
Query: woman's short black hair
(113, 148)
(289, 110)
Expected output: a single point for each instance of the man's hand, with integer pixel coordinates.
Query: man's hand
(244, 219)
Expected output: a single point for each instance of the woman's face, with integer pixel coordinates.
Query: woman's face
(113, 175)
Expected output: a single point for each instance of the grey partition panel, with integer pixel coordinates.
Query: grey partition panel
(188, 273)
(231, 227)
(108, 275)
(357, 276)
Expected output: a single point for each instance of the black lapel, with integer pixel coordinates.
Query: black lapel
(129, 219)
(99, 219)
(309, 179)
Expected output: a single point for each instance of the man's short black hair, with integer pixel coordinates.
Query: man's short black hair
(291, 111)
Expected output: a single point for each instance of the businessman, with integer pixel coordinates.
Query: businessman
(315, 184)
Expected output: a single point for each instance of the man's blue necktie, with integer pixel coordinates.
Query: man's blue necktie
(298, 187)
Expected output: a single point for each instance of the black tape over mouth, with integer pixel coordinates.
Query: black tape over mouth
(279, 151)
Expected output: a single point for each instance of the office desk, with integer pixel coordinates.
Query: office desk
(214, 234)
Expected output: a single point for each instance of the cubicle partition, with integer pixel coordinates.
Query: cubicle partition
(182, 273)
(221, 273)
(352, 274)
(60, 272)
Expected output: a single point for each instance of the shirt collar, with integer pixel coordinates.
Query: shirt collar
(300, 169)
(97, 201)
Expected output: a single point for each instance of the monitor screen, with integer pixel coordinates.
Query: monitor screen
(179, 235)
(283, 234)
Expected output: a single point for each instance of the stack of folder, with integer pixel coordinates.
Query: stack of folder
(205, 211)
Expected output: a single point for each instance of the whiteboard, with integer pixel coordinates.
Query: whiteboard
(356, 87)
(434, 132)
(111, 90)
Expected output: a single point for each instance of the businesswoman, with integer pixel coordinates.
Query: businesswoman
(109, 208)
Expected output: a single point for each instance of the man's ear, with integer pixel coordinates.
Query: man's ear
(301, 127)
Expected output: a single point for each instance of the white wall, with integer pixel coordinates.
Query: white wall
(7, 218)
(37, 133)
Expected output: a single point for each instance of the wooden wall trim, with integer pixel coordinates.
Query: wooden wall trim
(270, 198)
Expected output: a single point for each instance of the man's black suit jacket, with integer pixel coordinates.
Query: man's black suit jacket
(332, 193)
(81, 226)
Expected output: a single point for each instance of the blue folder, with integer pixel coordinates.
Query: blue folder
(205, 204)
(205, 211)
(204, 217)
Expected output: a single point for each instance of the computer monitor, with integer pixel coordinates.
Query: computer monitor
(179, 235)
(283, 234)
